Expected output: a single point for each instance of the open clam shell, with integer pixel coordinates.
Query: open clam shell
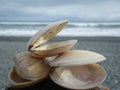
(77, 57)
(79, 77)
(17, 81)
(53, 49)
(31, 68)
(46, 33)
(35, 44)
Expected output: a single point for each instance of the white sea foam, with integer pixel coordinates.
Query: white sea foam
(95, 24)
(16, 32)
(73, 29)
(78, 24)
(65, 32)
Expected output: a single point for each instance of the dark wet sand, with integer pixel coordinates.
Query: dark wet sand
(108, 46)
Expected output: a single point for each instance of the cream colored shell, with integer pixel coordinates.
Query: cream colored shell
(29, 67)
(46, 33)
(79, 77)
(19, 82)
(53, 49)
(77, 57)
(35, 44)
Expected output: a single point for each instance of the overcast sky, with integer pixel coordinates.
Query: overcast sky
(60, 9)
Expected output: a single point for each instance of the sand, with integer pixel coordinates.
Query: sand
(108, 46)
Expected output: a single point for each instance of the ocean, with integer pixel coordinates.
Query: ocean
(84, 29)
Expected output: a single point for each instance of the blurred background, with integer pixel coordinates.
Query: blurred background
(86, 17)
(95, 23)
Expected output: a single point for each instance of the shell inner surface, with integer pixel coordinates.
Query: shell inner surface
(35, 44)
(79, 77)
(18, 81)
(54, 48)
(46, 33)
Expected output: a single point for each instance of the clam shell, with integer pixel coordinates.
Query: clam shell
(53, 49)
(17, 81)
(46, 33)
(29, 67)
(79, 77)
(77, 57)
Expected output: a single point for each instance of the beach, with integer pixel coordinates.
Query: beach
(107, 46)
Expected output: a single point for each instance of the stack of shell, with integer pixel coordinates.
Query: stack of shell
(72, 69)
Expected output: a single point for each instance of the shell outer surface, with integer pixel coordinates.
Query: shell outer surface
(77, 57)
(29, 67)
